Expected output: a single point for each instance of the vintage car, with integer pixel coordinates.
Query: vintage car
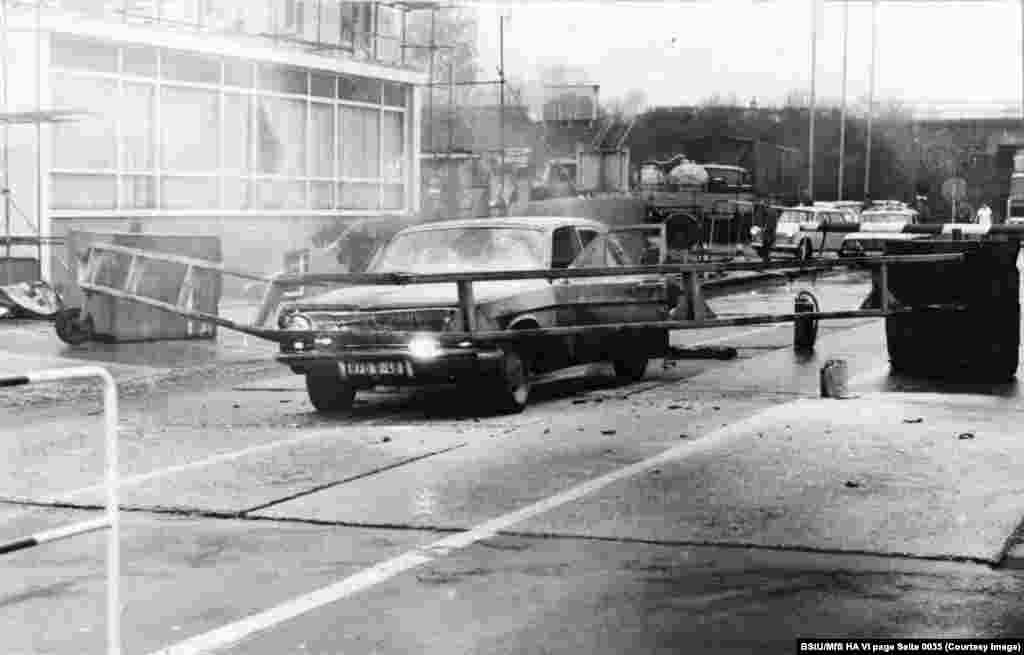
(877, 226)
(805, 231)
(340, 340)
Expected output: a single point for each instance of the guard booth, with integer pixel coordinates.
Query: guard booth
(454, 185)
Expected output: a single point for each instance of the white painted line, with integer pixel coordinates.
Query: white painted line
(727, 337)
(232, 633)
(132, 480)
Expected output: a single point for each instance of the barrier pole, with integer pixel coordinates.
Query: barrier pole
(112, 520)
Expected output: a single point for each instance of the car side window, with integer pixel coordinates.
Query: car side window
(603, 251)
(565, 247)
(586, 235)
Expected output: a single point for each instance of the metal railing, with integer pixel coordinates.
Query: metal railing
(111, 520)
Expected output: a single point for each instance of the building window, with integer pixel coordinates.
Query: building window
(190, 67)
(176, 130)
(360, 142)
(83, 54)
(322, 139)
(89, 143)
(74, 191)
(188, 193)
(393, 146)
(191, 129)
(281, 136)
(137, 126)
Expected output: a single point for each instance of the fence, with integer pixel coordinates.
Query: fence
(111, 520)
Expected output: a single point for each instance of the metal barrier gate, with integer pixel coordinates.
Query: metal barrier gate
(111, 520)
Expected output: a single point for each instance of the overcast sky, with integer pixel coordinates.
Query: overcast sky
(682, 51)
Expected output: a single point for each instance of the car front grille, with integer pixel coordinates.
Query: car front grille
(399, 320)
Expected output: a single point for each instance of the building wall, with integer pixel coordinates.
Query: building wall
(186, 133)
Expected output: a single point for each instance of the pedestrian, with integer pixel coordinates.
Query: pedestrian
(984, 216)
(866, 205)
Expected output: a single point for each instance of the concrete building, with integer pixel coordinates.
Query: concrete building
(263, 122)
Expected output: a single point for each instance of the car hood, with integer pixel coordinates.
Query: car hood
(411, 296)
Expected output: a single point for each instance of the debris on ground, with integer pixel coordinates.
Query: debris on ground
(965, 435)
(852, 484)
(608, 432)
(913, 420)
(29, 300)
(702, 352)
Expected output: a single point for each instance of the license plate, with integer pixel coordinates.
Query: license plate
(374, 368)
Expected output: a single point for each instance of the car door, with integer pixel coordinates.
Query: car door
(839, 224)
(616, 298)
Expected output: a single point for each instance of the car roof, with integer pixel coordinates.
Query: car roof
(546, 223)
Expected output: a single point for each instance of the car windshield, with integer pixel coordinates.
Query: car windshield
(885, 217)
(795, 217)
(447, 250)
(730, 176)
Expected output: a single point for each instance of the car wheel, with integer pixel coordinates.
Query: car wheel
(328, 391)
(805, 252)
(73, 330)
(630, 368)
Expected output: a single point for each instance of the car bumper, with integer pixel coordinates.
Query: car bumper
(451, 365)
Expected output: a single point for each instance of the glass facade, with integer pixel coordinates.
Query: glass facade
(364, 30)
(175, 130)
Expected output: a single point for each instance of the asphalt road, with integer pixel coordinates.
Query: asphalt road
(716, 506)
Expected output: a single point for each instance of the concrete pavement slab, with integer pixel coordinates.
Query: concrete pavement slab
(883, 473)
(272, 474)
(179, 576)
(512, 595)
(501, 474)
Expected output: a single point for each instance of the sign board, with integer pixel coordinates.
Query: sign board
(954, 189)
(518, 156)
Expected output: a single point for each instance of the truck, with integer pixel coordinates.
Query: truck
(720, 196)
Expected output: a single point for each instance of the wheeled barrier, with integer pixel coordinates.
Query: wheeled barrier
(893, 295)
(111, 520)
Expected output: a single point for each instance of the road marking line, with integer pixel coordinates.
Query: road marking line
(132, 480)
(735, 336)
(232, 633)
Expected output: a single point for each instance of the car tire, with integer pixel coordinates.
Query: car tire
(71, 329)
(631, 353)
(328, 391)
(630, 368)
(509, 390)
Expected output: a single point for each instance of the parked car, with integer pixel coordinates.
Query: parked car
(330, 343)
(791, 236)
(877, 226)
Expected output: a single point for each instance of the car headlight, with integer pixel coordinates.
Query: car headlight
(755, 232)
(424, 346)
(295, 321)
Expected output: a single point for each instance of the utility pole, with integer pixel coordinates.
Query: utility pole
(871, 97)
(501, 105)
(6, 144)
(842, 111)
(430, 79)
(814, 69)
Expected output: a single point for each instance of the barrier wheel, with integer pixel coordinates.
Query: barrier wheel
(805, 251)
(328, 391)
(71, 329)
(805, 330)
(510, 389)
